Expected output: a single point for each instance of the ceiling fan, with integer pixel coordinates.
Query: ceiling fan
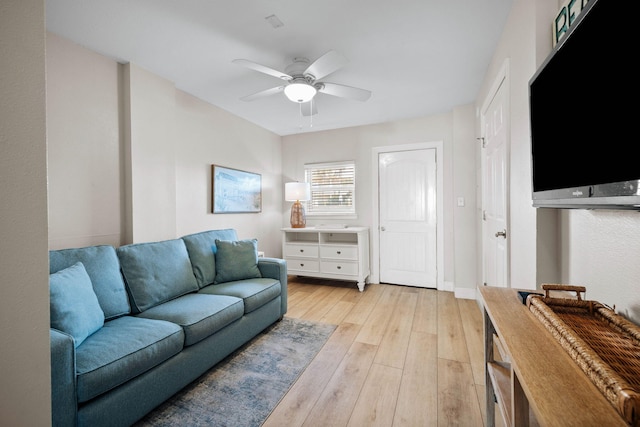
(303, 81)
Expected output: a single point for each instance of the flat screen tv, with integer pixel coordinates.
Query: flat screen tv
(583, 114)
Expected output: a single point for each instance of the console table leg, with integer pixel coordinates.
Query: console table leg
(520, 414)
(490, 394)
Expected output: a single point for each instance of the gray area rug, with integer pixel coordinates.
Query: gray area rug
(243, 389)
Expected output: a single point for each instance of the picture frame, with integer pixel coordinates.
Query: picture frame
(235, 191)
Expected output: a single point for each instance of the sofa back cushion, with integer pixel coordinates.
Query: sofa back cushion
(156, 272)
(103, 268)
(74, 307)
(201, 248)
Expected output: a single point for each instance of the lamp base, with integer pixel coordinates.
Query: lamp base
(298, 216)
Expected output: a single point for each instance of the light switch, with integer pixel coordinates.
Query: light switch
(461, 201)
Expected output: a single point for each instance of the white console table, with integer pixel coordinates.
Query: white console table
(336, 253)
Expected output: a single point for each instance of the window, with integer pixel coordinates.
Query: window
(333, 188)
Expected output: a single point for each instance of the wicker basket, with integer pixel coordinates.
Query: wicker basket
(605, 345)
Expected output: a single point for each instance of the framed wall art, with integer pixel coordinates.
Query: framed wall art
(235, 191)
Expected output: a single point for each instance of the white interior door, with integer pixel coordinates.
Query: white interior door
(495, 190)
(408, 217)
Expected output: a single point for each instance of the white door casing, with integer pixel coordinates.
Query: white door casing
(495, 172)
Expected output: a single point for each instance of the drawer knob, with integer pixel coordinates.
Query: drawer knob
(301, 250)
(339, 252)
(339, 267)
(301, 265)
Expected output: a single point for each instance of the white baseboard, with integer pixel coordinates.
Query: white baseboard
(447, 286)
(465, 293)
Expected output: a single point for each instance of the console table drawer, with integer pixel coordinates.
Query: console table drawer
(339, 252)
(302, 265)
(301, 251)
(339, 267)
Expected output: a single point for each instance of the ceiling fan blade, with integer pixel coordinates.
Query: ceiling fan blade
(326, 64)
(263, 93)
(308, 108)
(343, 91)
(262, 68)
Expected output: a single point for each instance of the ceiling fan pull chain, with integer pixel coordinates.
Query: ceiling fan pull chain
(301, 116)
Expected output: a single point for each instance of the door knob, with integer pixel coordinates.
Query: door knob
(502, 233)
(382, 229)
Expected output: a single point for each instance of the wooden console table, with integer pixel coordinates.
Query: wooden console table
(532, 378)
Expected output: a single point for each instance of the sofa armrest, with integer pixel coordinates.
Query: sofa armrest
(276, 268)
(63, 379)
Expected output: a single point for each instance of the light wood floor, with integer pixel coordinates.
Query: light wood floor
(400, 356)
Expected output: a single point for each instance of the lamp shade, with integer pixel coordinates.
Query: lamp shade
(294, 191)
(300, 92)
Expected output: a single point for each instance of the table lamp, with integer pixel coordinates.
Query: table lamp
(294, 192)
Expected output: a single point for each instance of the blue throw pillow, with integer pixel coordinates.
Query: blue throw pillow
(236, 260)
(103, 268)
(73, 303)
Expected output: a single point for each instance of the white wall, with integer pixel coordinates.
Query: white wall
(541, 247)
(131, 156)
(139, 168)
(597, 249)
(210, 135)
(84, 147)
(454, 129)
(516, 49)
(600, 251)
(25, 394)
(150, 141)
(465, 185)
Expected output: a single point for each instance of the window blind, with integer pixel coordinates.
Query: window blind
(333, 188)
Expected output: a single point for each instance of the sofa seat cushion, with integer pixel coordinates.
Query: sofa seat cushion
(201, 248)
(156, 272)
(199, 315)
(121, 350)
(103, 268)
(254, 292)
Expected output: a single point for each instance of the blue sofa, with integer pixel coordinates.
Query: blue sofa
(131, 326)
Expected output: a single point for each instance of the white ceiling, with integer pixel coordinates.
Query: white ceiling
(417, 57)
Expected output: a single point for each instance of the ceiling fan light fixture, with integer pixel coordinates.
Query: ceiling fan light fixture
(300, 92)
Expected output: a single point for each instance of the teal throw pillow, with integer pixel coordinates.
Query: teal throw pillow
(74, 305)
(236, 260)
(202, 248)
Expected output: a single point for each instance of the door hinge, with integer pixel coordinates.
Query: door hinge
(484, 215)
(482, 141)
